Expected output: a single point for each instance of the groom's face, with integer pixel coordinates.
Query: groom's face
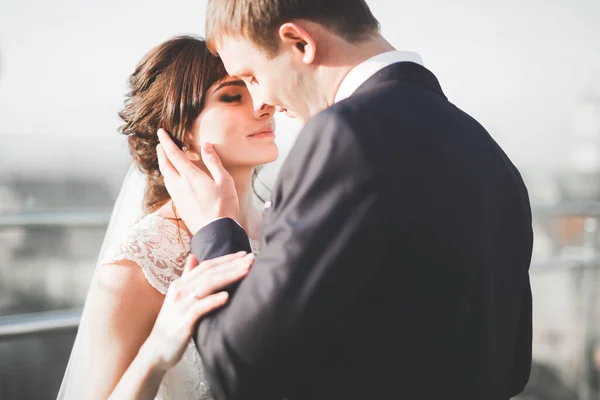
(278, 81)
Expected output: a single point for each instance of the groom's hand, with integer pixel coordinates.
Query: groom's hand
(198, 196)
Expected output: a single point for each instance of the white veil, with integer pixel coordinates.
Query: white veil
(128, 209)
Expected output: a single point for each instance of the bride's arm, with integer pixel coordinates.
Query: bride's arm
(125, 307)
(142, 379)
(133, 347)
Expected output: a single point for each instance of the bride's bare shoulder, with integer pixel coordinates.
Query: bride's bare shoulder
(123, 280)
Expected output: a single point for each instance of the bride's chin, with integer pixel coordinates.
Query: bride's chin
(271, 157)
(250, 156)
(266, 156)
(250, 163)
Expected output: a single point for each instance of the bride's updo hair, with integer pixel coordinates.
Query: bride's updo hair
(166, 91)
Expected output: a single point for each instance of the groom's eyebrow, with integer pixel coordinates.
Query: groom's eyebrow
(230, 83)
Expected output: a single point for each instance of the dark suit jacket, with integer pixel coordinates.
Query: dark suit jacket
(394, 263)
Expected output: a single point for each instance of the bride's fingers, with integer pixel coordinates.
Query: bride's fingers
(208, 304)
(215, 279)
(215, 262)
(190, 263)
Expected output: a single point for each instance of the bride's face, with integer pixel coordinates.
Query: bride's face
(241, 135)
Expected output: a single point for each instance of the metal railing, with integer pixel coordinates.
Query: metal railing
(65, 219)
(45, 323)
(38, 324)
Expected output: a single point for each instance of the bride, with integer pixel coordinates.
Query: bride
(144, 298)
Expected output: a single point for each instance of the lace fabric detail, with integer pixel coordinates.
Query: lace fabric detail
(186, 379)
(160, 248)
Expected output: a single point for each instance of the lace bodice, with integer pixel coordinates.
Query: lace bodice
(160, 248)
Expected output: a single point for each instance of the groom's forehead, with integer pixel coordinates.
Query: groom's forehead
(236, 44)
(238, 54)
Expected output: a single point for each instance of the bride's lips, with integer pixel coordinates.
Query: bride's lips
(263, 134)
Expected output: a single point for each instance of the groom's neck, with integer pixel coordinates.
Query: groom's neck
(349, 55)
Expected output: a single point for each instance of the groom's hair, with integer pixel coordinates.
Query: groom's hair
(259, 20)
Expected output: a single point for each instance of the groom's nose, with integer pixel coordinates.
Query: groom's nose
(260, 107)
(257, 99)
(264, 110)
(257, 103)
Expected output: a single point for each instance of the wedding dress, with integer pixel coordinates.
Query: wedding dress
(160, 248)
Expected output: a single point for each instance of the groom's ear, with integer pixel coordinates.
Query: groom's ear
(299, 40)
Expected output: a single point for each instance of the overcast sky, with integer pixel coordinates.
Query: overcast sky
(520, 67)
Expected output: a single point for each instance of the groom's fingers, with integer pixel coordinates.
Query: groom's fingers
(213, 163)
(164, 165)
(177, 158)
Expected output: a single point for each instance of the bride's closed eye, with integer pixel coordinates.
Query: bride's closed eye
(230, 98)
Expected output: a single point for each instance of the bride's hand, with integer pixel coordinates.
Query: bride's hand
(188, 299)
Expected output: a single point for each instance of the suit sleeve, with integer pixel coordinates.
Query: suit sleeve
(219, 238)
(320, 252)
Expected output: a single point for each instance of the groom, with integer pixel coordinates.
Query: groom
(397, 243)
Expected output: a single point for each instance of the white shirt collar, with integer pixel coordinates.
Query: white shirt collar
(363, 71)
